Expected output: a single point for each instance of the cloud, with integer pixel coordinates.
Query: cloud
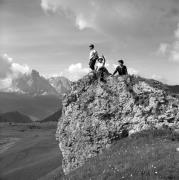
(175, 49)
(5, 83)
(10, 70)
(49, 5)
(5, 67)
(92, 14)
(83, 23)
(124, 20)
(133, 71)
(115, 66)
(171, 50)
(75, 71)
(163, 48)
(18, 69)
(177, 32)
(159, 78)
(82, 12)
(174, 53)
(70, 9)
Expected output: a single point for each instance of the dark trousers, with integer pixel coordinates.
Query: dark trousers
(92, 63)
(102, 71)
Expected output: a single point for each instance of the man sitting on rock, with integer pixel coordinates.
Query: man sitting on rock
(121, 69)
(101, 69)
(92, 57)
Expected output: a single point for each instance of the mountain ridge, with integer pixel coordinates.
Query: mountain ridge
(53, 117)
(35, 84)
(14, 117)
(174, 89)
(34, 95)
(36, 107)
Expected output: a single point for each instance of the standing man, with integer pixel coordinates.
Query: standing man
(121, 69)
(92, 57)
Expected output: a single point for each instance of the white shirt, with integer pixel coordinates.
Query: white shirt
(93, 53)
(99, 65)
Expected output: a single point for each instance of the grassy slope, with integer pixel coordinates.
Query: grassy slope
(53, 118)
(15, 117)
(150, 155)
(34, 155)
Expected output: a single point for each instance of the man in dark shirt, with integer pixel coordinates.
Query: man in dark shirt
(121, 69)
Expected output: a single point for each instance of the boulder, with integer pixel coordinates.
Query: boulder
(96, 114)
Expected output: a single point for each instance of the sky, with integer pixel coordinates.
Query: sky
(52, 36)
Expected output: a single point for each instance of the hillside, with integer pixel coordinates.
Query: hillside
(96, 115)
(53, 118)
(14, 117)
(138, 157)
(36, 107)
(174, 89)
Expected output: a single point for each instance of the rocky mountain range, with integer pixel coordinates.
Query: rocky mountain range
(35, 84)
(61, 84)
(97, 114)
(34, 95)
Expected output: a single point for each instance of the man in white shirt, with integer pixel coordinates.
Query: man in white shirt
(92, 57)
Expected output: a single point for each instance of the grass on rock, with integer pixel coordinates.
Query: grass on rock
(149, 155)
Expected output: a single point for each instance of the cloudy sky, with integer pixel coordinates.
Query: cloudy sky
(52, 36)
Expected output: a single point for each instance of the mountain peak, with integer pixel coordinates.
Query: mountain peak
(35, 74)
(96, 114)
(61, 84)
(35, 84)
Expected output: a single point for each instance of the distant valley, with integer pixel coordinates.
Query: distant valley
(35, 107)
(14, 117)
(34, 96)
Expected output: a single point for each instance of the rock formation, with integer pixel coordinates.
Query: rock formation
(33, 84)
(61, 84)
(36, 84)
(96, 114)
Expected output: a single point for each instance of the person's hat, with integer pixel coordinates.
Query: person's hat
(121, 61)
(91, 45)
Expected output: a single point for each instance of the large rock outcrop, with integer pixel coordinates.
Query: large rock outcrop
(96, 114)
